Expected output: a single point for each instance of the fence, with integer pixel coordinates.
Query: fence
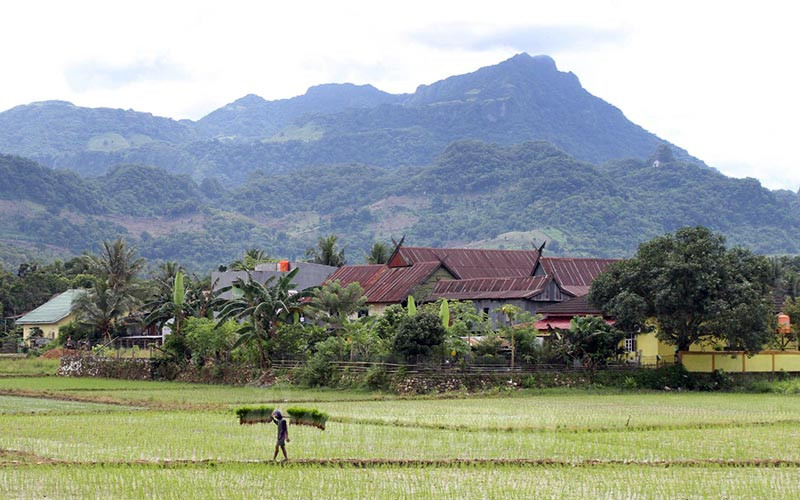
(741, 362)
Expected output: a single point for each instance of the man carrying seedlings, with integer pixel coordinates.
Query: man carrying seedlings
(283, 434)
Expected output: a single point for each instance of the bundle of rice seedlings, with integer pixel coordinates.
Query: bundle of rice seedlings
(254, 414)
(308, 416)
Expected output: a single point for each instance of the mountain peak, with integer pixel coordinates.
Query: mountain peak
(541, 62)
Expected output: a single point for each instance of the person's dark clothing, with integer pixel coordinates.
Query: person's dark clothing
(283, 431)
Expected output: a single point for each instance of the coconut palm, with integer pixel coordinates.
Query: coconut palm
(100, 308)
(379, 253)
(327, 252)
(332, 303)
(252, 257)
(115, 290)
(262, 307)
(119, 267)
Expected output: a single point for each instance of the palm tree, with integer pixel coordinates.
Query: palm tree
(115, 290)
(119, 267)
(264, 307)
(332, 303)
(100, 308)
(252, 257)
(326, 252)
(169, 303)
(379, 253)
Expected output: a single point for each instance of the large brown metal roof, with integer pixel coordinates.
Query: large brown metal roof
(358, 274)
(573, 274)
(471, 263)
(480, 274)
(490, 288)
(384, 284)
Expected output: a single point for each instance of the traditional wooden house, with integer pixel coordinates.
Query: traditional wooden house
(489, 278)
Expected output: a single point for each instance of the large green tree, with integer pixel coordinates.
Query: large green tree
(694, 287)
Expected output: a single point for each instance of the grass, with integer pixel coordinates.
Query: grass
(558, 444)
(17, 366)
(12, 405)
(577, 411)
(182, 435)
(239, 481)
(174, 393)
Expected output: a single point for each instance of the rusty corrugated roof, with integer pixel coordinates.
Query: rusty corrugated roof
(579, 306)
(471, 263)
(490, 288)
(395, 283)
(575, 274)
(384, 284)
(362, 275)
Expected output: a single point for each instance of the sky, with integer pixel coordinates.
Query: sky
(718, 78)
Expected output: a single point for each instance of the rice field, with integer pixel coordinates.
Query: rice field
(127, 439)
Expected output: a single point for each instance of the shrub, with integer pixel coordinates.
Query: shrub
(207, 341)
(418, 335)
(317, 372)
(377, 378)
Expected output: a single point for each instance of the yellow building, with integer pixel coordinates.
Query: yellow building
(50, 316)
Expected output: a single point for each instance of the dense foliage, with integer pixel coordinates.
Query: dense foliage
(694, 287)
(498, 196)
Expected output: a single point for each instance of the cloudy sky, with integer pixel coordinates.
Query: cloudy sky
(719, 78)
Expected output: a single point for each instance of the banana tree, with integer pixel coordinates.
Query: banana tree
(261, 308)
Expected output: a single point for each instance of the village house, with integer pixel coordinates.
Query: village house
(489, 278)
(44, 321)
(309, 275)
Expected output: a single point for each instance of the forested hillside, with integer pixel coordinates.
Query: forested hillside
(475, 193)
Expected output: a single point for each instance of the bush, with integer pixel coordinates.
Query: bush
(207, 341)
(77, 331)
(377, 378)
(317, 372)
(417, 336)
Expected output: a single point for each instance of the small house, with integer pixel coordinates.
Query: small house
(49, 317)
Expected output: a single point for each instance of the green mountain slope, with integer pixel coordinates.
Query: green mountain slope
(501, 196)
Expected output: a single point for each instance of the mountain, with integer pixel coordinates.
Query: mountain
(475, 193)
(253, 117)
(521, 99)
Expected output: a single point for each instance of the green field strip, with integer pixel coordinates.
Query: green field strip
(561, 429)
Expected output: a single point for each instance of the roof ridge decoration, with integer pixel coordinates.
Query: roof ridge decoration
(396, 252)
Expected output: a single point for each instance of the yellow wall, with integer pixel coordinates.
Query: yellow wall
(765, 361)
(50, 329)
(377, 309)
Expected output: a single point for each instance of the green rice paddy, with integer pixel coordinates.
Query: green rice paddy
(91, 438)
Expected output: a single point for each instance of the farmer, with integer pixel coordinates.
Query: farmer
(283, 434)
